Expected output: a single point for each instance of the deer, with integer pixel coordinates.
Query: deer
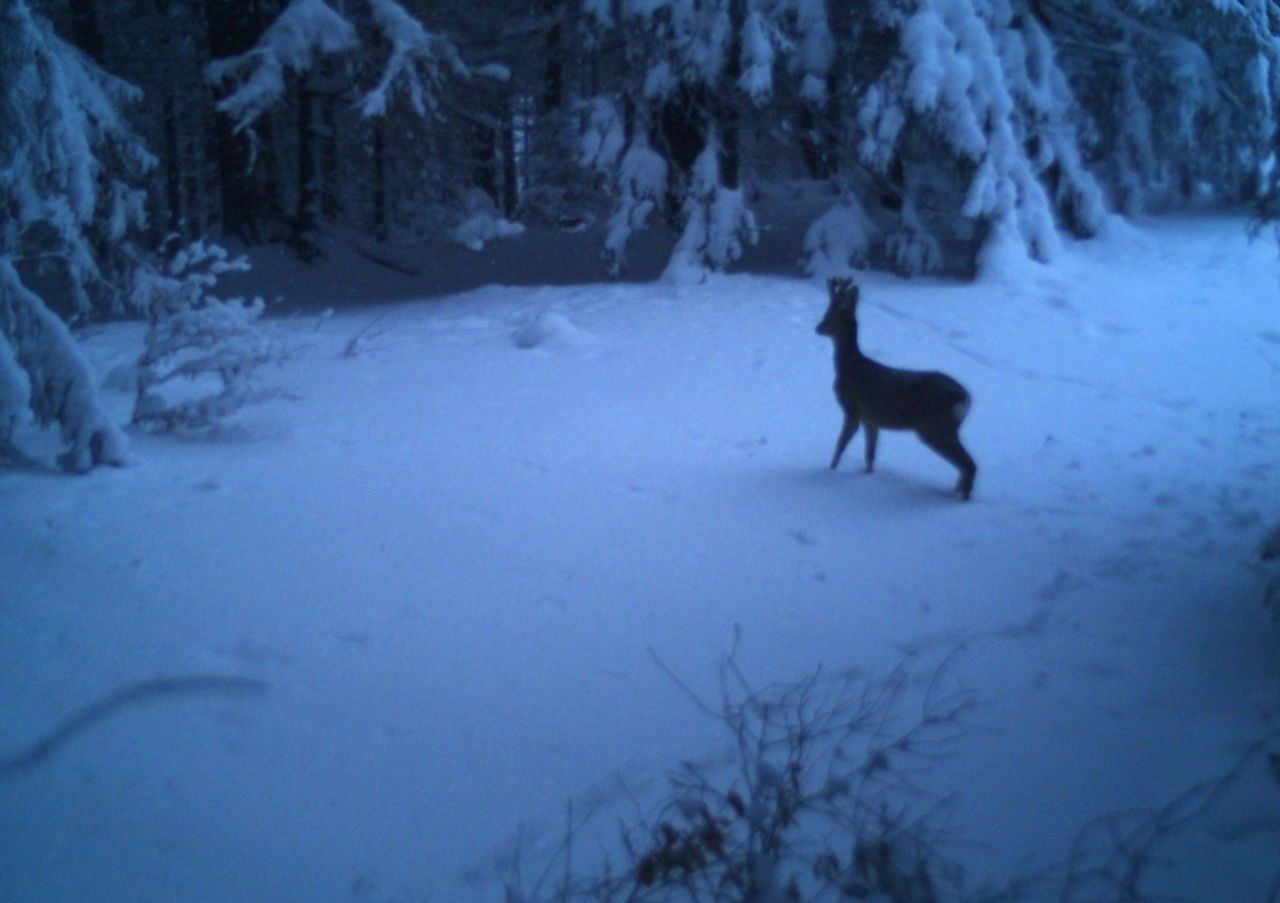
(931, 404)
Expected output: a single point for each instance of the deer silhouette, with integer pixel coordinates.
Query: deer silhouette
(931, 404)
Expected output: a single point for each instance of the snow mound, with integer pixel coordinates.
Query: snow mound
(1005, 260)
(482, 223)
(552, 330)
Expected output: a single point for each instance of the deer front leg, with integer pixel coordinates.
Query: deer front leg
(846, 433)
(873, 435)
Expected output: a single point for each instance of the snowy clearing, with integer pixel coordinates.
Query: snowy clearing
(448, 557)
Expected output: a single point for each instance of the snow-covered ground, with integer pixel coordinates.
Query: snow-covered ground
(449, 556)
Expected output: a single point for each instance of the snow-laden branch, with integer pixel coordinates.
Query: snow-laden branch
(418, 65)
(642, 180)
(63, 143)
(57, 375)
(306, 30)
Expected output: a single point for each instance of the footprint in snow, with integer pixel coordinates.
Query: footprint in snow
(1062, 582)
(1104, 670)
(802, 536)
(1057, 302)
(249, 651)
(643, 488)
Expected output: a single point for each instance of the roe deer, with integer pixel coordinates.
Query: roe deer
(879, 397)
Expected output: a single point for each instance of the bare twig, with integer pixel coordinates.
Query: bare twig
(816, 801)
(370, 331)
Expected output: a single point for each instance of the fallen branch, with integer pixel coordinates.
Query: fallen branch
(380, 260)
(131, 694)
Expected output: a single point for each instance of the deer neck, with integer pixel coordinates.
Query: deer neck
(846, 344)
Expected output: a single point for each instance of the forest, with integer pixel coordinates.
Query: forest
(416, 473)
(949, 132)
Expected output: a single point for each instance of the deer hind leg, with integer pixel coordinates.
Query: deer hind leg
(873, 435)
(946, 442)
(846, 433)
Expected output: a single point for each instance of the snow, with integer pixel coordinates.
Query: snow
(552, 330)
(449, 556)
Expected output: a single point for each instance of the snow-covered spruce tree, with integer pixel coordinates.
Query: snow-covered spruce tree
(288, 57)
(716, 221)
(972, 124)
(65, 153)
(1182, 96)
(839, 241)
(638, 175)
(202, 352)
(692, 74)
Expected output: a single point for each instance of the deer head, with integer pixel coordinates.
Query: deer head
(844, 304)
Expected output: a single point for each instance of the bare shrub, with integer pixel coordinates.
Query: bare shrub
(821, 799)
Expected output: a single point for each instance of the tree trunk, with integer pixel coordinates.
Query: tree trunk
(727, 113)
(681, 130)
(553, 84)
(330, 86)
(510, 178)
(330, 203)
(172, 164)
(379, 155)
(484, 162)
(306, 215)
(193, 194)
(231, 31)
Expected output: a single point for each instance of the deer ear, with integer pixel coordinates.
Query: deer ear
(833, 285)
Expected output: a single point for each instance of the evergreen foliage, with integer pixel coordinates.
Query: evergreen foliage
(954, 136)
(66, 213)
(966, 131)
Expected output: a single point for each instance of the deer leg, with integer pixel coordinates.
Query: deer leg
(846, 433)
(946, 442)
(873, 434)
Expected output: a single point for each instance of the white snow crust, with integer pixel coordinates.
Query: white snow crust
(449, 555)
